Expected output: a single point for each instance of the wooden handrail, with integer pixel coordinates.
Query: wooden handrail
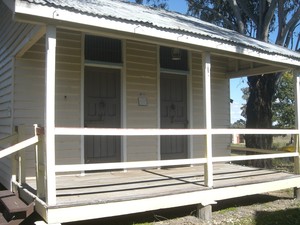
(263, 151)
(128, 165)
(19, 146)
(160, 163)
(160, 132)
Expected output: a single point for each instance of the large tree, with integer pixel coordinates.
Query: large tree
(263, 20)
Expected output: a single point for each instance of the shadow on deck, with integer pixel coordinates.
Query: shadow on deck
(109, 194)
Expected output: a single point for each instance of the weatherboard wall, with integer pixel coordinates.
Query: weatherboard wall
(12, 36)
(141, 73)
(30, 94)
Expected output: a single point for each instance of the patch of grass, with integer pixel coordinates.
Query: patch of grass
(230, 209)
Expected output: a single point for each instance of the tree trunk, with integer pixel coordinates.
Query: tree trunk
(259, 113)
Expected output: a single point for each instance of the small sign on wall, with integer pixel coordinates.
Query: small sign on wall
(142, 100)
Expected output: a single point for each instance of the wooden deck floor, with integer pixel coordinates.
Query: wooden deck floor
(119, 186)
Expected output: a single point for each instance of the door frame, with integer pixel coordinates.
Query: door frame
(189, 94)
(108, 74)
(122, 68)
(190, 114)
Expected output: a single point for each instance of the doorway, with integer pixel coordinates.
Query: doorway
(173, 114)
(102, 109)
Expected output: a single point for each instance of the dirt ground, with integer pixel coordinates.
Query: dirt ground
(271, 208)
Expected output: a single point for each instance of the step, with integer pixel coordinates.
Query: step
(13, 204)
(2, 220)
(6, 193)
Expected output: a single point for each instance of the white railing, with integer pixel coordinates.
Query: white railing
(40, 161)
(162, 132)
(16, 150)
(19, 146)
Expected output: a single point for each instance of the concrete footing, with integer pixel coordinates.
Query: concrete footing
(204, 210)
(297, 193)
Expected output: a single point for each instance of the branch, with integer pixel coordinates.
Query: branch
(236, 11)
(266, 18)
(195, 9)
(245, 8)
(290, 26)
(270, 13)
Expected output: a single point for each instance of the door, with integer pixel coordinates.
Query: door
(102, 110)
(173, 113)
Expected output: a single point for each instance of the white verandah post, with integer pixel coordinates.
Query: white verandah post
(297, 118)
(206, 67)
(49, 143)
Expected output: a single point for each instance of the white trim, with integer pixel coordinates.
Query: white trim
(206, 72)
(124, 156)
(82, 153)
(17, 147)
(297, 119)
(158, 100)
(49, 145)
(190, 106)
(128, 165)
(157, 132)
(160, 163)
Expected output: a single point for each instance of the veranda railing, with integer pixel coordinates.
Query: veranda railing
(37, 140)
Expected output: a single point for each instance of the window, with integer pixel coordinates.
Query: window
(173, 58)
(103, 49)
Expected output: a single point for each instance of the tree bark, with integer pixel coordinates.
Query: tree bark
(259, 113)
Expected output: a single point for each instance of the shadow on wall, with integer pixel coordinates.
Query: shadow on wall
(281, 217)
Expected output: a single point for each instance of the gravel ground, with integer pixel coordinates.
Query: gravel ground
(271, 208)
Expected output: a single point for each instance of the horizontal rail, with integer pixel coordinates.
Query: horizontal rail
(159, 132)
(19, 146)
(128, 165)
(264, 151)
(252, 157)
(127, 132)
(160, 163)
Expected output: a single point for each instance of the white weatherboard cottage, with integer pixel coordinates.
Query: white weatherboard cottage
(97, 86)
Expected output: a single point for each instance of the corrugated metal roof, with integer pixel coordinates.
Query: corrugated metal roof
(161, 19)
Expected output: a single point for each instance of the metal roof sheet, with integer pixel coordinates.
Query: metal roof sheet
(162, 19)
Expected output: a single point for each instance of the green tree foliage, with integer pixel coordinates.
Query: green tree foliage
(154, 3)
(284, 103)
(239, 124)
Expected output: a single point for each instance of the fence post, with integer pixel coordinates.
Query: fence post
(14, 163)
(22, 155)
(206, 67)
(297, 121)
(39, 162)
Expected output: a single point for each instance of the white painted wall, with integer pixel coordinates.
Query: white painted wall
(11, 36)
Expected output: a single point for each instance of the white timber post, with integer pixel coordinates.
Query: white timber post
(297, 121)
(39, 162)
(49, 141)
(22, 155)
(206, 67)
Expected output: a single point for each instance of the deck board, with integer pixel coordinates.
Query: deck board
(117, 186)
